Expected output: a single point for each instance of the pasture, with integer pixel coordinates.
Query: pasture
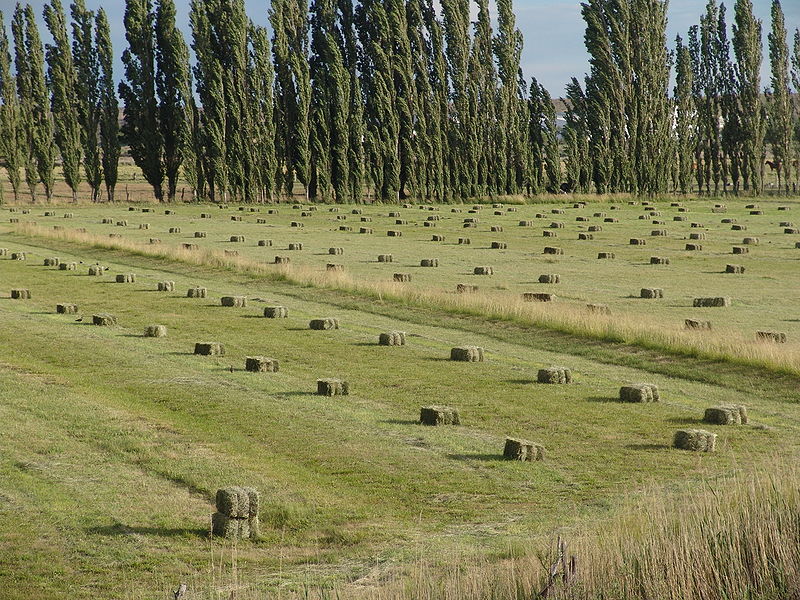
(116, 443)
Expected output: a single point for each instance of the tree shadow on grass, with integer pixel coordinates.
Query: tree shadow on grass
(119, 529)
(647, 446)
(477, 456)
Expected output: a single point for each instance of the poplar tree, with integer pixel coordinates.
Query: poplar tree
(138, 92)
(512, 110)
(796, 82)
(460, 125)
(63, 87)
(406, 105)
(355, 111)
(109, 106)
(438, 117)
(781, 113)
(27, 126)
(330, 105)
(684, 117)
(11, 134)
(747, 49)
(43, 140)
(261, 82)
(87, 86)
(172, 85)
(577, 155)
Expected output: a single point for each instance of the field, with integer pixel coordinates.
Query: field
(116, 443)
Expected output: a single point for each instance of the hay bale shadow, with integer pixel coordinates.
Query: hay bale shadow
(477, 456)
(120, 529)
(520, 381)
(684, 420)
(400, 421)
(647, 447)
(605, 399)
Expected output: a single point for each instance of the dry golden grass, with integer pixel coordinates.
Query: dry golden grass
(715, 345)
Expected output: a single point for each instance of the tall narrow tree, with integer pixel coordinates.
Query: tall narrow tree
(781, 113)
(11, 133)
(109, 106)
(747, 48)
(138, 92)
(63, 88)
(87, 87)
(684, 117)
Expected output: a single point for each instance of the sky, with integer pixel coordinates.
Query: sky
(552, 29)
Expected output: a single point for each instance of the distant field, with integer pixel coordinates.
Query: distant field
(115, 444)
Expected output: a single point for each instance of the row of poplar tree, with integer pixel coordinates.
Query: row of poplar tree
(626, 133)
(388, 99)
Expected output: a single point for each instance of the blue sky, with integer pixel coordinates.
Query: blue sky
(553, 30)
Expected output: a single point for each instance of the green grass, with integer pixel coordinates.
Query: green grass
(116, 443)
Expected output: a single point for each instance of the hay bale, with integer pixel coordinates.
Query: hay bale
(264, 243)
(392, 338)
(155, 240)
(639, 392)
(20, 294)
(697, 440)
(68, 266)
(463, 288)
(296, 246)
(199, 234)
(401, 277)
(556, 225)
(13, 220)
(157, 331)
(126, 278)
(737, 269)
(585, 236)
(741, 250)
(726, 414)
(400, 222)
(122, 223)
(556, 375)
(166, 286)
(694, 247)
(394, 233)
(236, 218)
(697, 225)
(18, 256)
(771, 336)
(553, 250)
(104, 319)
(697, 236)
(750, 241)
(711, 302)
(524, 450)
(234, 301)
(281, 260)
(231, 253)
(144, 225)
(791, 230)
(786, 224)
(637, 242)
(464, 241)
(385, 258)
(366, 230)
(237, 502)
(483, 271)
(697, 324)
(66, 309)
(526, 223)
(209, 349)
(335, 251)
(738, 227)
(756, 212)
(595, 228)
(496, 229)
(611, 220)
(174, 229)
(659, 233)
(197, 292)
(3, 251)
(260, 364)
(332, 387)
(96, 270)
(550, 278)
(680, 218)
(606, 255)
(467, 354)
(651, 293)
(581, 219)
(53, 261)
(550, 234)
(276, 312)
(296, 224)
(205, 215)
(538, 297)
(394, 214)
(324, 324)
(437, 238)
(429, 262)
(659, 260)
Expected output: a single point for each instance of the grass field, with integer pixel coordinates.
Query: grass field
(116, 443)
